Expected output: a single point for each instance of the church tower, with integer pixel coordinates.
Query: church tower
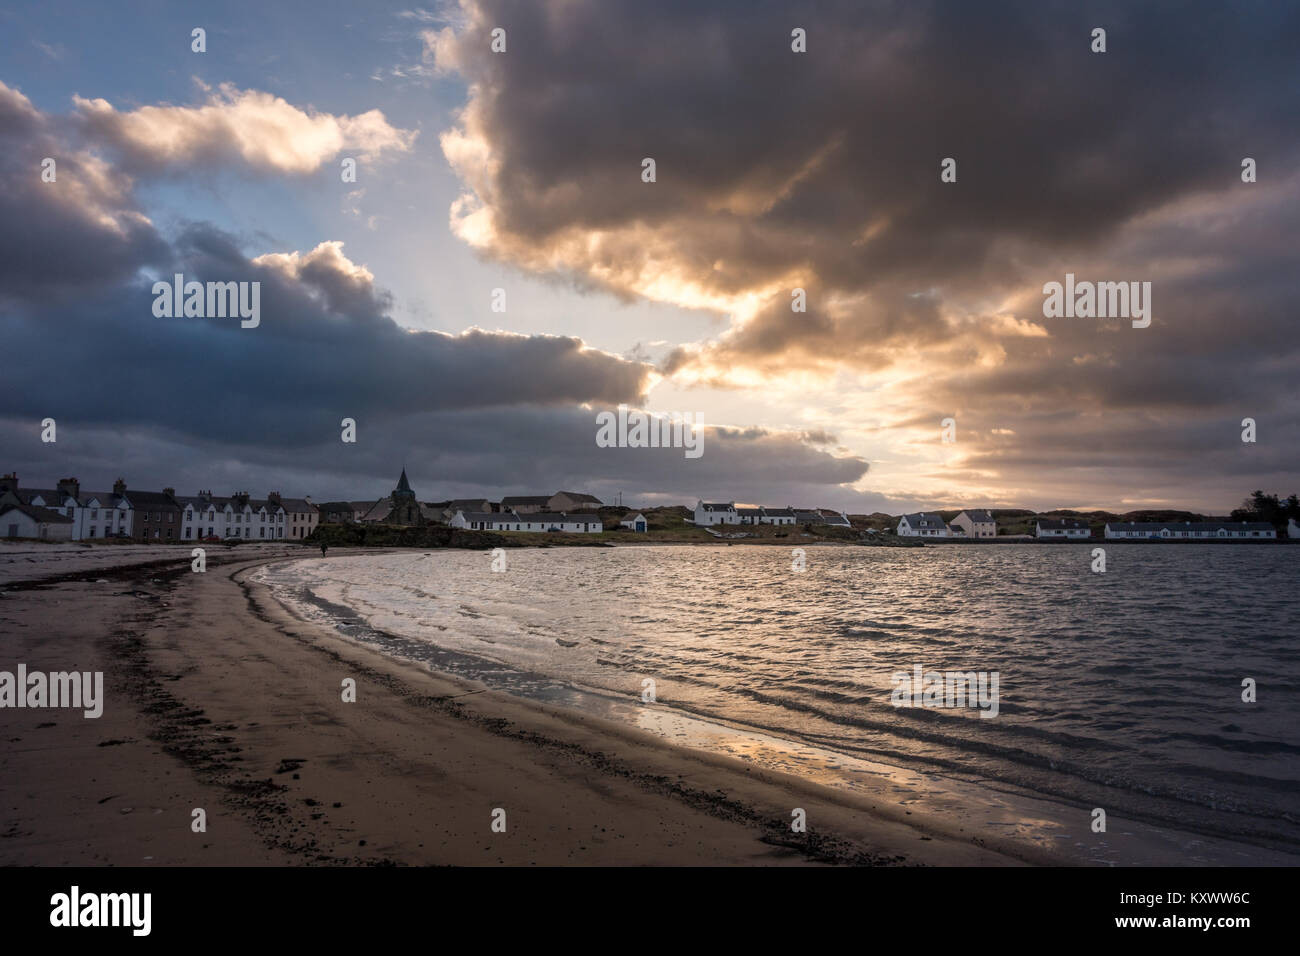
(406, 510)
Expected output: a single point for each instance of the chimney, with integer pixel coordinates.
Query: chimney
(274, 497)
(9, 482)
(70, 487)
(119, 487)
(170, 492)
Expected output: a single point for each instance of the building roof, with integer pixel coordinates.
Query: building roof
(839, 520)
(925, 519)
(750, 512)
(779, 512)
(460, 504)
(44, 515)
(579, 496)
(107, 499)
(298, 505)
(515, 500)
(25, 495)
(378, 511)
(979, 516)
(718, 505)
(151, 499)
(1056, 524)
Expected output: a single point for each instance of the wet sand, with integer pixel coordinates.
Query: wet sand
(218, 698)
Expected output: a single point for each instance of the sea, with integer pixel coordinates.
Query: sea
(1164, 690)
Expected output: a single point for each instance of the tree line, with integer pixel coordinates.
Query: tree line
(1271, 508)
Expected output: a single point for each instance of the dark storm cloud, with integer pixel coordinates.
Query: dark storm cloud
(204, 403)
(492, 452)
(65, 237)
(78, 260)
(821, 170)
(325, 349)
(827, 163)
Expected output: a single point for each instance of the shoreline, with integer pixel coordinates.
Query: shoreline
(218, 698)
(1056, 831)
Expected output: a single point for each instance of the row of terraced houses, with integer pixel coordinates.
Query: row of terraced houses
(68, 513)
(981, 524)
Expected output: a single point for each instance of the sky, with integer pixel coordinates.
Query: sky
(775, 170)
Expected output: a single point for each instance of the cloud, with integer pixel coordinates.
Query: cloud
(326, 349)
(493, 452)
(234, 126)
(61, 238)
(821, 171)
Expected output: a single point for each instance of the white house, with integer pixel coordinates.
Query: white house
(204, 516)
(300, 516)
(1190, 530)
(537, 522)
(65, 500)
(975, 524)
(1067, 528)
(239, 516)
(707, 513)
(636, 522)
(58, 501)
(28, 521)
(102, 514)
(749, 515)
(923, 524)
(778, 516)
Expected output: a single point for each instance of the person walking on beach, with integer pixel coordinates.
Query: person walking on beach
(322, 549)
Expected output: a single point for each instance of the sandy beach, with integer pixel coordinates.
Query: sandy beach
(217, 698)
